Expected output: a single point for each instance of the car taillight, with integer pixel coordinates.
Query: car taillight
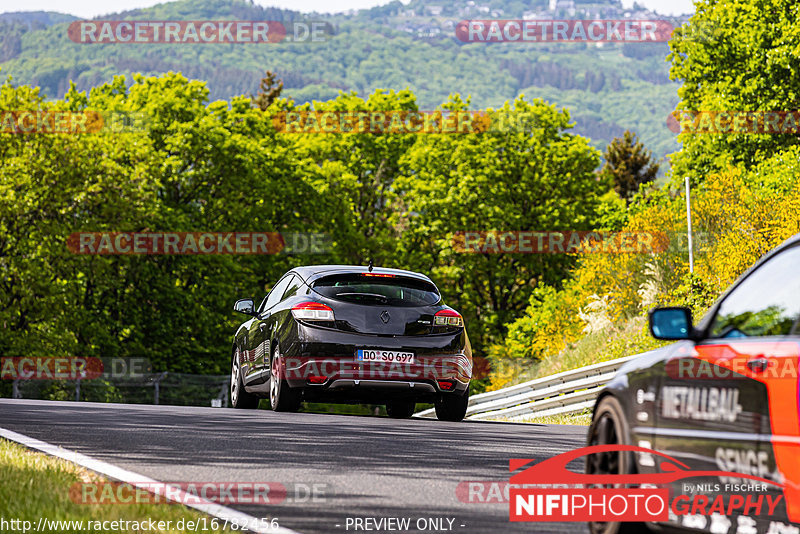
(312, 311)
(447, 318)
(445, 385)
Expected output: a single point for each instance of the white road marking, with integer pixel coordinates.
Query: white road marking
(140, 481)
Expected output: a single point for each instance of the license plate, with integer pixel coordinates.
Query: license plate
(384, 356)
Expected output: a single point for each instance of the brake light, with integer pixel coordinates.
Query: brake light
(448, 318)
(317, 379)
(312, 311)
(445, 385)
(378, 275)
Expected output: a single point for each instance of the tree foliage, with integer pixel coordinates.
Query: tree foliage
(199, 167)
(534, 177)
(735, 55)
(221, 166)
(371, 50)
(629, 164)
(270, 89)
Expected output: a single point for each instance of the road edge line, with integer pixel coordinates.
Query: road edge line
(119, 474)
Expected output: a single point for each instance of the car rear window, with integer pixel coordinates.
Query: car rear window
(377, 290)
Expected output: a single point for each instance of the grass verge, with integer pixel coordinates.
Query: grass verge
(628, 339)
(583, 418)
(35, 485)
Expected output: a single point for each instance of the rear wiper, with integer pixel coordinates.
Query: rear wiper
(383, 298)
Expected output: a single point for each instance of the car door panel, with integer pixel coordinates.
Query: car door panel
(263, 330)
(256, 347)
(773, 364)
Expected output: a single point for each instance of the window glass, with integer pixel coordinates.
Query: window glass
(378, 290)
(766, 303)
(276, 293)
(293, 288)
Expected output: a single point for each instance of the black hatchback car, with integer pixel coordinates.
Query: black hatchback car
(350, 334)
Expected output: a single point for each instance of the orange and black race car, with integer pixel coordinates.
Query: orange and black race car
(723, 397)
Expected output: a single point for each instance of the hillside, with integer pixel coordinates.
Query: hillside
(36, 19)
(608, 89)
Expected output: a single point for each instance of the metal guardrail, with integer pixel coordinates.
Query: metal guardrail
(562, 393)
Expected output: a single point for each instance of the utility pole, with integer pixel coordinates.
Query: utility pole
(689, 225)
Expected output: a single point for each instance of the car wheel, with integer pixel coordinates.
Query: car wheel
(282, 398)
(452, 407)
(609, 427)
(400, 409)
(239, 397)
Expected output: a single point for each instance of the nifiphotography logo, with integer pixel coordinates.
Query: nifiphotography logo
(648, 498)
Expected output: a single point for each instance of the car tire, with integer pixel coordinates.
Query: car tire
(239, 397)
(452, 407)
(609, 427)
(400, 409)
(282, 398)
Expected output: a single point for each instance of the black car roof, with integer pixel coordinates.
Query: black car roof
(312, 272)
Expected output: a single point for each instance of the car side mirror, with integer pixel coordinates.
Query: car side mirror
(244, 306)
(671, 323)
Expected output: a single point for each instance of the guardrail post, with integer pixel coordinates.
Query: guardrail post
(156, 385)
(223, 395)
(78, 390)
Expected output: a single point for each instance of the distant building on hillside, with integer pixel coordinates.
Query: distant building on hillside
(565, 5)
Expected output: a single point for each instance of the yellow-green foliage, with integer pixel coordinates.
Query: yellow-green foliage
(599, 313)
(748, 214)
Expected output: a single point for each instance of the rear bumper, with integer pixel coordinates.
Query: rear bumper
(324, 364)
(373, 391)
(455, 369)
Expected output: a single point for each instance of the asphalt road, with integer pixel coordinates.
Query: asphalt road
(364, 467)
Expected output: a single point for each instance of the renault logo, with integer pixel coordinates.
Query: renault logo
(385, 316)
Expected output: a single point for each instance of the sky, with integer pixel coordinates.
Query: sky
(93, 8)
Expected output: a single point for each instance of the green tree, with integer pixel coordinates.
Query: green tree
(534, 176)
(269, 91)
(736, 55)
(198, 167)
(628, 164)
(356, 172)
